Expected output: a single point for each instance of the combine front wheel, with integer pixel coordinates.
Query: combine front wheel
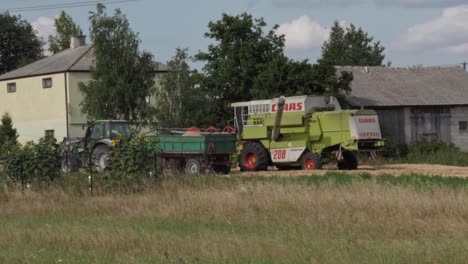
(254, 157)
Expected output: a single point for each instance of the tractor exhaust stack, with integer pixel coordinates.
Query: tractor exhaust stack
(279, 115)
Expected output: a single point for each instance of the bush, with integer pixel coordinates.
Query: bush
(437, 152)
(133, 162)
(33, 162)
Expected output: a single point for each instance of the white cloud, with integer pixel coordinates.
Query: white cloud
(44, 26)
(344, 3)
(447, 33)
(303, 34)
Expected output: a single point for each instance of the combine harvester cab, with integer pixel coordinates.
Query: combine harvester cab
(303, 132)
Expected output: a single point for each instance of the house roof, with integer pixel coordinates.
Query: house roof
(70, 60)
(384, 87)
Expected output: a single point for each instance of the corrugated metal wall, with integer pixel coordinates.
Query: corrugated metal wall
(392, 124)
(430, 123)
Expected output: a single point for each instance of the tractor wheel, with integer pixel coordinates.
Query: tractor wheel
(100, 157)
(68, 165)
(193, 167)
(254, 157)
(311, 161)
(349, 161)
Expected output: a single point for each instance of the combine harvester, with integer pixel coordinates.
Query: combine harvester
(303, 132)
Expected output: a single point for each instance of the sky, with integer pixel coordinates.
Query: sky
(414, 32)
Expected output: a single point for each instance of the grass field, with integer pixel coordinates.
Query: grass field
(336, 218)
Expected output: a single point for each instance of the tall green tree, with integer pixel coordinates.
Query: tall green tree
(8, 134)
(19, 44)
(247, 62)
(65, 28)
(178, 101)
(351, 46)
(123, 77)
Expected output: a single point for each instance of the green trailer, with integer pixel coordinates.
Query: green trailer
(198, 152)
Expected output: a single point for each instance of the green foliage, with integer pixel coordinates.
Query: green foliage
(132, 161)
(351, 46)
(178, 102)
(8, 134)
(242, 51)
(437, 152)
(123, 77)
(65, 28)
(33, 162)
(246, 62)
(19, 44)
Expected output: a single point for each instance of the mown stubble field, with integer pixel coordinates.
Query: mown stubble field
(241, 219)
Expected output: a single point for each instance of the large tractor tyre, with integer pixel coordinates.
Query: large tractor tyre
(193, 167)
(68, 165)
(100, 157)
(349, 162)
(254, 157)
(311, 161)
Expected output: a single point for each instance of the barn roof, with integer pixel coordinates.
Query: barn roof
(384, 87)
(79, 59)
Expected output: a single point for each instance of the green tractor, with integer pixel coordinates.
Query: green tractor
(303, 132)
(94, 148)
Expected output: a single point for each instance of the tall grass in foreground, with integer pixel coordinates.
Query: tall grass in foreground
(336, 218)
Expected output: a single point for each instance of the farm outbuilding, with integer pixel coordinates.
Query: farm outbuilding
(43, 97)
(415, 104)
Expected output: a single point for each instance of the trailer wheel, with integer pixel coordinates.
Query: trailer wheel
(193, 167)
(311, 161)
(100, 157)
(349, 161)
(254, 157)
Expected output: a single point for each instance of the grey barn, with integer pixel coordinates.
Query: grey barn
(415, 104)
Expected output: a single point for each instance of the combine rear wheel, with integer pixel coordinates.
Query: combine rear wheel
(254, 157)
(349, 161)
(311, 161)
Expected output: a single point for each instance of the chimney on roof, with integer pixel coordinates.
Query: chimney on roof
(77, 41)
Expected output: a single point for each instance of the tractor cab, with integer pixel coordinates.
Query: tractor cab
(107, 130)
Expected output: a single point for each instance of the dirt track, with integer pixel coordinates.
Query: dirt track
(394, 169)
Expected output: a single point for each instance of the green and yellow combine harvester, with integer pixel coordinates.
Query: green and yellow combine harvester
(302, 132)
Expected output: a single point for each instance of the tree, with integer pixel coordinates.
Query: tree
(19, 44)
(178, 102)
(242, 51)
(351, 46)
(248, 63)
(289, 78)
(65, 28)
(8, 134)
(123, 77)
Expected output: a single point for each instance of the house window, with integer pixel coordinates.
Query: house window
(47, 83)
(463, 126)
(11, 87)
(50, 133)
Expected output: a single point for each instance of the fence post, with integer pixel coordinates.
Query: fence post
(90, 177)
(22, 174)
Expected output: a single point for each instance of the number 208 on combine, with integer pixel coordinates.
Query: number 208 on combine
(303, 132)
